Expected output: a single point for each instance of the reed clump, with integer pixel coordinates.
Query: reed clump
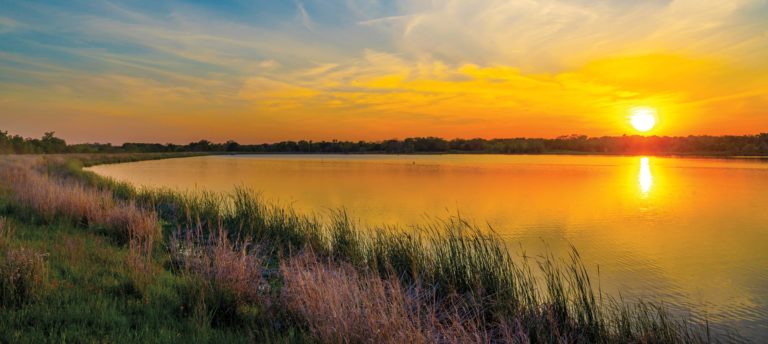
(226, 282)
(340, 304)
(22, 276)
(22, 270)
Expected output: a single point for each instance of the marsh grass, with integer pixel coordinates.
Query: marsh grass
(49, 200)
(22, 276)
(467, 272)
(107, 278)
(341, 304)
(234, 261)
(226, 277)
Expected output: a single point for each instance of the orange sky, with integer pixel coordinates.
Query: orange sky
(357, 69)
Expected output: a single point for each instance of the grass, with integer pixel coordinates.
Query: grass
(99, 284)
(227, 277)
(91, 296)
(22, 270)
(164, 266)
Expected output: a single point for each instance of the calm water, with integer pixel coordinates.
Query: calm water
(690, 232)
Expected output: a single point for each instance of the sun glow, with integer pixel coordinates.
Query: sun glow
(643, 119)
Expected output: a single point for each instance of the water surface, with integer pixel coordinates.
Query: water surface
(690, 232)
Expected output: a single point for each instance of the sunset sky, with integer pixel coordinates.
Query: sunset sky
(268, 70)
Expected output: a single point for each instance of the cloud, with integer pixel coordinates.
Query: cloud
(273, 91)
(306, 20)
(8, 25)
(268, 64)
(551, 35)
(385, 20)
(380, 85)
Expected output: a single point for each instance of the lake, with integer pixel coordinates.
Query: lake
(687, 231)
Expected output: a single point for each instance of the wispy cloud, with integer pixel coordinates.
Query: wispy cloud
(268, 64)
(552, 34)
(386, 20)
(306, 20)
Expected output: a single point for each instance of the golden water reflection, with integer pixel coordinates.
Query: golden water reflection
(645, 178)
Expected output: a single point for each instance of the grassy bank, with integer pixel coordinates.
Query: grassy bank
(164, 266)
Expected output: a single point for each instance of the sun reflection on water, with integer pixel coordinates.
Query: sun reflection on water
(645, 178)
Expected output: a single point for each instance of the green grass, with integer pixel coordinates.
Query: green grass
(90, 294)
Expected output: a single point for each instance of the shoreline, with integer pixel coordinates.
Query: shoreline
(326, 247)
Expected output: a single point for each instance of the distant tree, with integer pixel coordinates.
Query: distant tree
(232, 146)
(712, 145)
(5, 143)
(52, 144)
(200, 146)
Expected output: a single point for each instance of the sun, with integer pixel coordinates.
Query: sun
(643, 119)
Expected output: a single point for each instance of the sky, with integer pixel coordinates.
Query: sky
(268, 70)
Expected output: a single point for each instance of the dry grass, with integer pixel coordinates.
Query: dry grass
(139, 261)
(6, 233)
(22, 271)
(227, 276)
(342, 305)
(22, 276)
(52, 199)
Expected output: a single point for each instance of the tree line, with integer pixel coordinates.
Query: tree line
(704, 145)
